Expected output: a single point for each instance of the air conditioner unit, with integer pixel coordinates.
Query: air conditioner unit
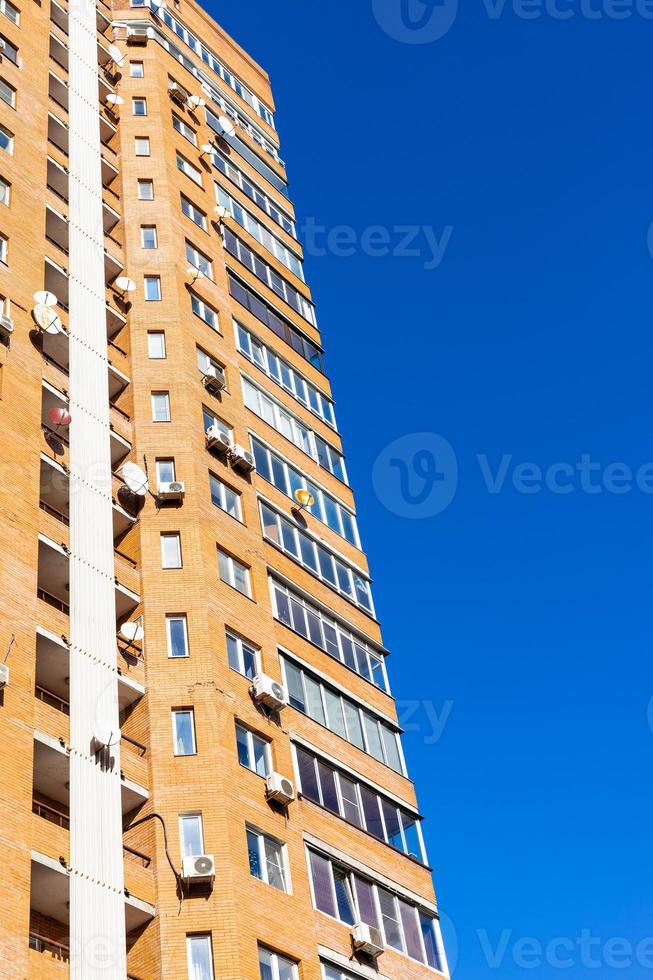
(198, 867)
(265, 690)
(171, 491)
(242, 459)
(367, 939)
(4, 675)
(177, 93)
(214, 378)
(137, 35)
(6, 325)
(217, 439)
(279, 788)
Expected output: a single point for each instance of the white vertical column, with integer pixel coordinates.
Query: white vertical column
(97, 907)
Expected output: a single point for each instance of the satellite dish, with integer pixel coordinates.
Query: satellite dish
(115, 99)
(45, 298)
(135, 478)
(221, 211)
(226, 126)
(304, 497)
(47, 319)
(125, 284)
(105, 733)
(196, 101)
(194, 274)
(60, 416)
(132, 631)
(116, 55)
(207, 148)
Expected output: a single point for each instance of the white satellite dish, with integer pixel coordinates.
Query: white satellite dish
(132, 631)
(196, 101)
(125, 284)
(45, 298)
(226, 126)
(135, 478)
(194, 274)
(115, 99)
(207, 148)
(116, 55)
(220, 211)
(47, 319)
(105, 733)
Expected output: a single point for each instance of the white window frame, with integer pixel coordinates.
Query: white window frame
(165, 396)
(5, 198)
(240, 643)
(261, 199)
(132, 73)
(165, 461)
(184, 129)
(5, 6)
(216, 420)
(282, 853)
(205, 312)
(183, 817)
(149, 248)
(177, 537)
(145, 185)
(199, 260)
(259, 232)
(138, 100)
(267, 752)
(152, 279)
(183, 618)
(232, 563)
(9, 148)
(193, 213)
(224, 487)
(189, 169)
(192, 972)
(152, 334)
(4, 249)
(274, 962)
(10, 91)
(142, 150)
(183, 711)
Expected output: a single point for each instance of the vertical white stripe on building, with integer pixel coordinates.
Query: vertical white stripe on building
(97, 907)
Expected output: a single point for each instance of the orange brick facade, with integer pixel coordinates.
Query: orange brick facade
(239, 912)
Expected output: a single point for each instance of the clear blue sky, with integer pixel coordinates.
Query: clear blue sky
(533, 337)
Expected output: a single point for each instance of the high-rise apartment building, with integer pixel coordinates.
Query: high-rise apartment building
(202, 766)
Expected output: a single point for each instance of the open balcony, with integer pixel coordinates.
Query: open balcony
(51, 399)
(55, 498)
(59, 16)
(57, 232)
(57, 181)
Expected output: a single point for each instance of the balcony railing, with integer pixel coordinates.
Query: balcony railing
(143, 859)
(142, 749)
(52, 699)
(50, 813)
(53, 512)
(53, 601)
(43, 945)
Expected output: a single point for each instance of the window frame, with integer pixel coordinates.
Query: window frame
(177, 617)
(156, 333)
(168, 411)
(152, 228)
(177, 536)
(133, 74)
(238, 516)
(232, 562)
(147, 280)
(262, 840)
(251, 737)
(241, 642)
(190, 937)
(139, 151)
(274, 962)
(191, 815)
(183, 711)
(139, 100)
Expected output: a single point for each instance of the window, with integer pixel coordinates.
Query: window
(253, 751)
(317, 559)
(335, 973)
(5, 191)
(145, 190)
(7, 92)
(191, 835)
(351, 897)
(275, 967)
(149, 237)
(171, 550)
(205, 362)
(225, 498)
(6, 140)
(234, 573)
(243, 657)
(331, 635)
(11, 13)
(4, 249)
(200, 957)
(267, 275)
(260, 233)
(254, 192)
(184, 129)
(139, 107)
(177, 633)
(156, 345)
(267, 860)
(342, 715)
(199, 260)
(359, 804)
(142, 146)
(9, 50)
(187, 168)
(189, 209)
(160, 406)
(165, 472)
(183, 731)
(210, 420)
(276, 415)
(204, 311)
(287, 478)
(152, 288)
(136, 69)
(280, 326)
(284, 375)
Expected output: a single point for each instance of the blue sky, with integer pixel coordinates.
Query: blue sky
(529, 342)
